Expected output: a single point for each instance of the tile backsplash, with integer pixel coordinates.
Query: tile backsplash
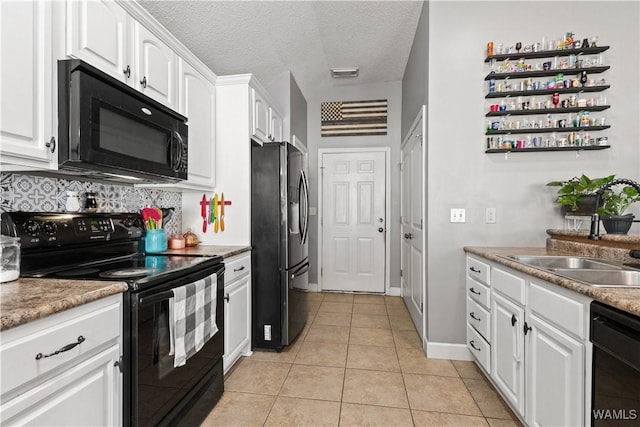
(43, 194)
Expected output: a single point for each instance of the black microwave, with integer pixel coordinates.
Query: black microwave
(108, 130)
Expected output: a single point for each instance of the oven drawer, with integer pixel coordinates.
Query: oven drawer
(24, 352)
(236, 267)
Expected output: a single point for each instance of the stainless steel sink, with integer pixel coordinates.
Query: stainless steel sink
(602, 278)
(564, 262)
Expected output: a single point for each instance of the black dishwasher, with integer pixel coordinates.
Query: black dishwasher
(615, 335)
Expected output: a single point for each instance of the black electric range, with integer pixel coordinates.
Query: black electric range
(108, 246)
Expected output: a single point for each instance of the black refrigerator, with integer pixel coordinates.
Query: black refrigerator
(279, 247)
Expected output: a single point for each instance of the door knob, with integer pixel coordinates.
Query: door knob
(380, 229)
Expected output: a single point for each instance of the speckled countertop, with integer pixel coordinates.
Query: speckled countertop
(210, 250)
(24, 300)
(627, 299)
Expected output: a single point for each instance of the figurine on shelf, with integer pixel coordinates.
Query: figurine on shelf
(568, 40)
(583, 77)
(594, 39)
(585, 43)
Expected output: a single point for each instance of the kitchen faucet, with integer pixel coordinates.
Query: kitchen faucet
(594, 234)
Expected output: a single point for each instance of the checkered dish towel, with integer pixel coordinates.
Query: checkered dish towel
(192, 318)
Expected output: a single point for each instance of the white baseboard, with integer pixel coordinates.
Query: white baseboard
(441, 350)
(394, 291)
(313, 287)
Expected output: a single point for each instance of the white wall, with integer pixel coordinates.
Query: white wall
(390, 91)
(460, 174)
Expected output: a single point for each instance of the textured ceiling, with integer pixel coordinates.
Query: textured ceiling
(267, 38)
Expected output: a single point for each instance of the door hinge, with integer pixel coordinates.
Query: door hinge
(401, 272)
(321, 271)
(401, 165)
(421, 307)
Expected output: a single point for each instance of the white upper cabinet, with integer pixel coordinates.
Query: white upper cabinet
(197, 102)
(27, 136)
(276, 124)
(260, 129)
(103, 34)
(267, 123)
(97, 32)
(155, 67)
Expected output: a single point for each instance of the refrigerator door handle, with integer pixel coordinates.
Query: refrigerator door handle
(304, 207)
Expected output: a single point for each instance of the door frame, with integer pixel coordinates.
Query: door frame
(387, 208)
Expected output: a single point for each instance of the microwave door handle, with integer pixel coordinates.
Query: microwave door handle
(176, 143)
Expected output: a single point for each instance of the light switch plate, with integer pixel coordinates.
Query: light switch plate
(458, 215)
(490, 216)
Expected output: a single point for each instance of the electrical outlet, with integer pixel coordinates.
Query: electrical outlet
(458, 215)
(267, 332)
(313, 211)
(490, 216)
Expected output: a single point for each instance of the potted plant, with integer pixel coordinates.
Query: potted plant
(577, 195)
(612, 212)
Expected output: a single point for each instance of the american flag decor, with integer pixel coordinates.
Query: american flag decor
(351, 118)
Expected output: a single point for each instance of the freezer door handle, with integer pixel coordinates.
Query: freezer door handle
(300, 270)
(303, 194)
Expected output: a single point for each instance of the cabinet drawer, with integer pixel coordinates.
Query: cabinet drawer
(19, 355)
(564, 311)
(478, 270)
(479, 348)
(479, 318)
(509, 285)
(236, 267)
(478, 292)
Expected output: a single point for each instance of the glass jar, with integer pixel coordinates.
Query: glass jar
(10, 250)
(155, 241)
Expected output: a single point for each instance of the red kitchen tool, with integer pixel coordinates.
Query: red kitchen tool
(203, 212)
(222, 212)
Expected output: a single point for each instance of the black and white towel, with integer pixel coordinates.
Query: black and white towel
(192, 312)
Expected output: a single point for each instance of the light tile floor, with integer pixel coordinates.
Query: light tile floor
(357, 362)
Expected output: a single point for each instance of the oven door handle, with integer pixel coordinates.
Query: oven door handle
(152, 299)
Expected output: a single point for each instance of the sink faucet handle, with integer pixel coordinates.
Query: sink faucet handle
(594, 233)
(634, 253)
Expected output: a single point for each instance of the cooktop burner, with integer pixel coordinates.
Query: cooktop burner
(127, 273)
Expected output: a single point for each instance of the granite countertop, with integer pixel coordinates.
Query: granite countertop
(626, 299)
(210, 250)
(25, 299)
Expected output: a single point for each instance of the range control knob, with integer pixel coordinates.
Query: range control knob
(50, 227)
(128, 222)
(31, 227)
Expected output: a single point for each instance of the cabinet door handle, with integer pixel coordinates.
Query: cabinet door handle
(473, 291)
(51, 145)
(143, 82)
(239, 269)
(127, 71)
(514, 319)
(473, 316)
(475, 270)
(471, 343)
(67, 347)
(526, 328)
(227, 298)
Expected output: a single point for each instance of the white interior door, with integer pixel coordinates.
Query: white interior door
(411, 225)
(353, 221)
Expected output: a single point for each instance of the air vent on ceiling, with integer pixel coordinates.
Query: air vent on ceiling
(344, 72)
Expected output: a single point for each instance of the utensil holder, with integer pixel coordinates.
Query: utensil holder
(155, 241)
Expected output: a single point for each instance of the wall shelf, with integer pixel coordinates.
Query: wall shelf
(545, 111)
(530, 150)
(547, 53)
(547, 91)
(545, 130)
(545, 73)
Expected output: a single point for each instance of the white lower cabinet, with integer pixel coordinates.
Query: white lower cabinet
(539, 345)
(237, 309)
(46, 380)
